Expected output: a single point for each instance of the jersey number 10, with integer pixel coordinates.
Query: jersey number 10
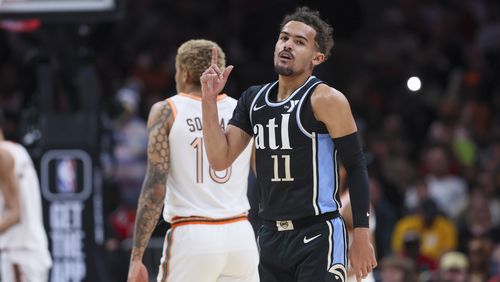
(220, 177)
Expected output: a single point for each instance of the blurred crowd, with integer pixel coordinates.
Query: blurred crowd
(433, 154)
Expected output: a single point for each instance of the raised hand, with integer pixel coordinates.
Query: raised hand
(213, 79)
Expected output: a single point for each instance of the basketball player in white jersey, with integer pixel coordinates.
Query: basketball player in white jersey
(211, 238)
(24, 253)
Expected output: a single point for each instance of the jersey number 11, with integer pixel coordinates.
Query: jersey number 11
(288, 175)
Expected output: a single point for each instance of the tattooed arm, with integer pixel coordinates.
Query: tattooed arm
(154, 185)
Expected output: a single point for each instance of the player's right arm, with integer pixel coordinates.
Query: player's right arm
(154, 186)
(222, 148)
(10, 192)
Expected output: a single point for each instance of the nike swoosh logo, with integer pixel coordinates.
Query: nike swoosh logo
(306, 240)
(255, 108)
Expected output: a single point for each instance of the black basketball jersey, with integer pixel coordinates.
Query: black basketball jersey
(297, 168)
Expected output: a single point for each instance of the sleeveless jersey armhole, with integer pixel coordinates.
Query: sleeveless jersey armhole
(305, 116)
(172, 106)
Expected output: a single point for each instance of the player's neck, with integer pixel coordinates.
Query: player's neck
(192, 90)
(2, 137)
(288, 84)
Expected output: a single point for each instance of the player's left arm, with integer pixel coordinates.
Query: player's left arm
(331, 107)
(9, 188)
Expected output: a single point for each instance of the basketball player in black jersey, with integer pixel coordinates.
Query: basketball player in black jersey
(301, 126)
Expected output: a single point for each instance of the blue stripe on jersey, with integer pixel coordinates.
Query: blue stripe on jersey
(327, 174)
(339, 240)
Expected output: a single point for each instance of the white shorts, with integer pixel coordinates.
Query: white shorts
(210, 251)
(27, 265)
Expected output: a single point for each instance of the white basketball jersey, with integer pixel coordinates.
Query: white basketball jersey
(193, 187)
(29, 233)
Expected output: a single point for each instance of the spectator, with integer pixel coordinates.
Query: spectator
(415, 194)
(477, 221)
(479, 254)
(437, 233)
(397, 269)
(449, 191)
(130, 145)
(453, 267)
(412, 250)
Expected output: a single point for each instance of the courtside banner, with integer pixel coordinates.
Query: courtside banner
(73, 213)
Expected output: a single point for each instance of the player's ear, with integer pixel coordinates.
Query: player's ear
(318, 58)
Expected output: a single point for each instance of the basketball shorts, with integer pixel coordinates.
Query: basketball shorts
(208, 250)
(292, 252)
(24, 265)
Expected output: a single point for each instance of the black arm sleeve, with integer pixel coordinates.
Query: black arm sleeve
(351, 154)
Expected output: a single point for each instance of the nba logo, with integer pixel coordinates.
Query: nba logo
(66, 175)
(66, 178)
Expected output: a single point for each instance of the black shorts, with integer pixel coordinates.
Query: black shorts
(316, 252)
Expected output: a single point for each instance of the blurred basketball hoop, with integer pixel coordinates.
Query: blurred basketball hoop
(72, 10)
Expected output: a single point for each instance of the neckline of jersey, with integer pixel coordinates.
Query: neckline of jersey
(277, 104)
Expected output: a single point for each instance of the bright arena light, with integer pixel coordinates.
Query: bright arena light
(414, 83)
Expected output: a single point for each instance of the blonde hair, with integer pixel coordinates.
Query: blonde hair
(195, 56)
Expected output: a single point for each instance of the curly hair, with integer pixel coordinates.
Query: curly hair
(195, 56)
(312, 18)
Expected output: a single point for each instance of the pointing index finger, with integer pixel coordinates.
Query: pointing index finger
(214, 56)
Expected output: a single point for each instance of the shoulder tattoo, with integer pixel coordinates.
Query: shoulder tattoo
(158, 147)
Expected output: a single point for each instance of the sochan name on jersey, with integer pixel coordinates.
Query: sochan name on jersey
(195, 124)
